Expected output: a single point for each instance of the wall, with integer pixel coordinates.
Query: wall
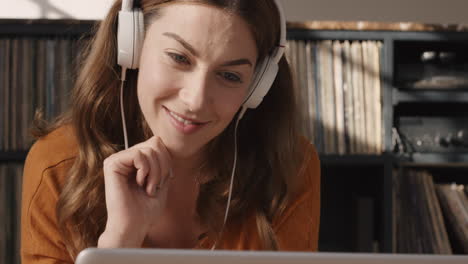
(429, 11)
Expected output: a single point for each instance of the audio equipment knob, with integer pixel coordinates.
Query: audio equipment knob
(444, 141)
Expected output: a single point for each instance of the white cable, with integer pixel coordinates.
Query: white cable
(124, 126)
(241, 114)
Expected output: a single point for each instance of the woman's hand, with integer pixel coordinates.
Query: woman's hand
(136, 184)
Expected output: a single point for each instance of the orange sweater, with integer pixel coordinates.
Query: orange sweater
(45, 172)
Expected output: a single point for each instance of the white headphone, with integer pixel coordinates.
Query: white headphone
(130, 36)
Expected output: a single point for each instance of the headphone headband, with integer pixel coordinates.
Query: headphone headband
(127, 5)
(282, 40)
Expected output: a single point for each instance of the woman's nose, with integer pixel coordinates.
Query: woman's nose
(195, 94)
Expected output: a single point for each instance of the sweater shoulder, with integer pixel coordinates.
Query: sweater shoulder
(53, 148)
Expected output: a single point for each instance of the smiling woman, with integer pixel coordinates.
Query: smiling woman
(194, 159)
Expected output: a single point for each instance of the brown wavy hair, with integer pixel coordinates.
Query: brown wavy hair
(268, 153)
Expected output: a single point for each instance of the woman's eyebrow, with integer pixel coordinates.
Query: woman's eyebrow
(181, 41)
(192, 50)
(237, 62)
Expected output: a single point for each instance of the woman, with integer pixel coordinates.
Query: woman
(182, 107)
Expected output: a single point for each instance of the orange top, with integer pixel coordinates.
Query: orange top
(45, 172)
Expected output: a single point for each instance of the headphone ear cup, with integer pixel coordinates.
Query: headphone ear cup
(130, 34)
(265, 75)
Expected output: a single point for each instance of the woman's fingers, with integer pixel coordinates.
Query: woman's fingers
(142, 165)
(159, 161)
(154, 175)
(125, 162)
(150, 159)
(161, 165)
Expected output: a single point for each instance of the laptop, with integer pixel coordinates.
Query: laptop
(177, 256)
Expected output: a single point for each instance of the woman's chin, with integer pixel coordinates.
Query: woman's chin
(182, 151)
(179, 148)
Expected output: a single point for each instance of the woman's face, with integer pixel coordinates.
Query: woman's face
(195, 69)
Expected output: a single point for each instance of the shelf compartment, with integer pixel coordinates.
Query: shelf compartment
(407, 96)
(435, 159)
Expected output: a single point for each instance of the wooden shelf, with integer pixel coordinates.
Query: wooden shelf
(435, 159)
(356, 160)
(44, 27)
(407, 96)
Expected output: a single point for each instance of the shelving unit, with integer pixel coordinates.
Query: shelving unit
(11, 160)
(393, 96)
(344, 176)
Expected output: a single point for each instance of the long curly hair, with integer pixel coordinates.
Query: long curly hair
(268, 147)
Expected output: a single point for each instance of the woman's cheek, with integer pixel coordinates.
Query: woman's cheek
(158, 83)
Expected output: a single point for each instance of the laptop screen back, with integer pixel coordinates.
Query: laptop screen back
(172, 256)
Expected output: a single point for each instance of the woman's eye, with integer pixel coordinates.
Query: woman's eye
(231, 77)
(178, 58)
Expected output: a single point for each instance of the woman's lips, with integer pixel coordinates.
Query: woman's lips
(183, 124)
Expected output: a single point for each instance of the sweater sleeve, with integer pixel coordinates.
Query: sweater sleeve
(298, 227)
(41, 241)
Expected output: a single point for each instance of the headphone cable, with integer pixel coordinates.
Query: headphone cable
(239, 117)
(122, 112)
